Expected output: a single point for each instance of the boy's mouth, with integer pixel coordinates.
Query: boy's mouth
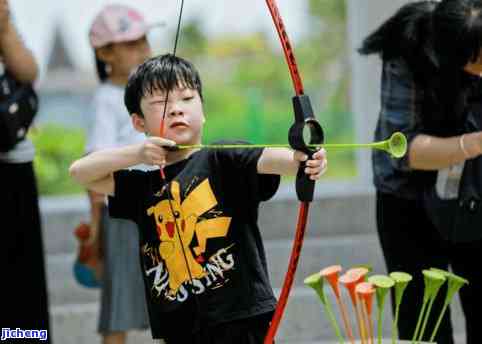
(178, 125)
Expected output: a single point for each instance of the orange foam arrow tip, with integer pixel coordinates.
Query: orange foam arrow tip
(350, 283)
(351, 278)
(365, 291)
(357, 274)
(330, 270)
(330, 273)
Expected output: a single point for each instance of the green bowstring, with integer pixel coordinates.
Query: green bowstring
(281, 145)
(396, 145)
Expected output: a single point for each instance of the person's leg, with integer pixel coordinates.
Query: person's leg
(463, 264)
(410, 243)
(22, 258)
(114, 338)
(123, 305)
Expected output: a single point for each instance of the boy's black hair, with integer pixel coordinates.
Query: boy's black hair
(437, 39)
(163, 73)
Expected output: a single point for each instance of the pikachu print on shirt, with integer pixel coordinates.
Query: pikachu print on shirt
(176, 229)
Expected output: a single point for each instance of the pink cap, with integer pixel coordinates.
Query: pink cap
(117, 23)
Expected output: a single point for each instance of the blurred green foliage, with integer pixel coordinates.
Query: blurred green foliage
(56, 148)
(247, 92)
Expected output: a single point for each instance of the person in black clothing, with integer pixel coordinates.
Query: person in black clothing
(203, 260)
(427, 203)
(24, 297)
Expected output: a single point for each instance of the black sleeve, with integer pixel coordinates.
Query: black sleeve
(243, 166)
(129, 191)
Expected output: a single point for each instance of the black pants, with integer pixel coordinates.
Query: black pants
(24, 297)
(244, 331)
(410, 243)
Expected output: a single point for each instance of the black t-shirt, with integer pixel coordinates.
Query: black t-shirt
(215, 196)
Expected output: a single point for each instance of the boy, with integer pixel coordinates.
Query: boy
(203, 260)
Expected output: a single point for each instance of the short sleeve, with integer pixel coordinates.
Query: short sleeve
(401, 106)
(102, 131)
(244, 165)
(129, 189)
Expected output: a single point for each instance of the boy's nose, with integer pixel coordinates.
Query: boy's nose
(175, 110)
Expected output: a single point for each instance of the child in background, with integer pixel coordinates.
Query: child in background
(118, 37)
(203, 258)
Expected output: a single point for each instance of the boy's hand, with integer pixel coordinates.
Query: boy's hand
(316, 167)
(153, 151)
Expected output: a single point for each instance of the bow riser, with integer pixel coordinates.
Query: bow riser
(304, 119)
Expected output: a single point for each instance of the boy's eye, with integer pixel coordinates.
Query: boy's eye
(189, 98)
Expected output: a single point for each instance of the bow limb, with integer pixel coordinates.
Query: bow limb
(287, 49)
(304, 118)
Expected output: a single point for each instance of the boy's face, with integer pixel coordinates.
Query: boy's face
(184, 119)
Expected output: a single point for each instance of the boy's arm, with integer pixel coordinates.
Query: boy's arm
(286, 162)
(95, 171)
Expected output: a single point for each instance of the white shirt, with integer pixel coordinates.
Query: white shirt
(23, 152)
(111, 125)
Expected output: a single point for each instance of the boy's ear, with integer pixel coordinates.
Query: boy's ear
(138, 122)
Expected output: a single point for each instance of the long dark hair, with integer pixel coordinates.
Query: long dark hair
(101, 68)
(405, 34)
(457, 28)
(437, 39)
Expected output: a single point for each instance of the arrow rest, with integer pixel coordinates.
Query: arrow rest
(305, 127)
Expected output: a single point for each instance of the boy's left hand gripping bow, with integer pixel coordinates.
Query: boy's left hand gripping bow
(305, 123)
